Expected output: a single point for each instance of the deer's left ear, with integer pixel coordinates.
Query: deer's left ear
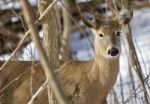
(125, 15)
(89, 19)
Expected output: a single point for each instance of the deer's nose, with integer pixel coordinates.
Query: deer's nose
(113, 51)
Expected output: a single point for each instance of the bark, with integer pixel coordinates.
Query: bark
(51, 39)
(51, 33)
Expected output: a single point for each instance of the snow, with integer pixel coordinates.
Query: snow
(15, 4)
(30, 53)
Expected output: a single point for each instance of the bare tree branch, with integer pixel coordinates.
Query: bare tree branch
(48, 9)
(16, 50)
(38, 92)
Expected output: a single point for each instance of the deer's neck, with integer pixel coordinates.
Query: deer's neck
(104, 70)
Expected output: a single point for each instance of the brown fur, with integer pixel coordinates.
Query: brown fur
(19, 91)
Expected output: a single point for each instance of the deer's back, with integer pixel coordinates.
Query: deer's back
(31, 77)
(22, 82)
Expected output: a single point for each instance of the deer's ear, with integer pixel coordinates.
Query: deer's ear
(125, 16)
(89, 19)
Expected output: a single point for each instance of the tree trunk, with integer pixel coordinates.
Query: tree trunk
(50, 39)
(51, 33)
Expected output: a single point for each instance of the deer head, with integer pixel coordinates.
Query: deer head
(107, 31)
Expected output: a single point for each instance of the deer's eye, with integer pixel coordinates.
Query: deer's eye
(101, 35)
(118, 33)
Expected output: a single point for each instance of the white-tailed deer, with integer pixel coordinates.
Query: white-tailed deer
(89, 82)
(83, 82)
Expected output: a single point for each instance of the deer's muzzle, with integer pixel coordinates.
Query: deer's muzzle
(113, 51)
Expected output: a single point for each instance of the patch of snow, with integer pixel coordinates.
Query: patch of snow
(16, 5)
(30, 53)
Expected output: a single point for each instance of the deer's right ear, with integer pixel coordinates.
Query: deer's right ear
(126, 15)
(89, 19)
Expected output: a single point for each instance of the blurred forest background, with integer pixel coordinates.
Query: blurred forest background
(75, 42)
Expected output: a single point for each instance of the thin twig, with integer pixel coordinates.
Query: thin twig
(38, 92)
(16, 50)
(14, 80)
(134, 93)
(77, 25)
(47, 9)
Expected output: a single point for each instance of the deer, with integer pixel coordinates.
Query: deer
(83, 82)
(89, 82)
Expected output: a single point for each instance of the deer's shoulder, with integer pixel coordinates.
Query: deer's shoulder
(71, 74)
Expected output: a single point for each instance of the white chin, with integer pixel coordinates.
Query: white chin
(112, 57)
